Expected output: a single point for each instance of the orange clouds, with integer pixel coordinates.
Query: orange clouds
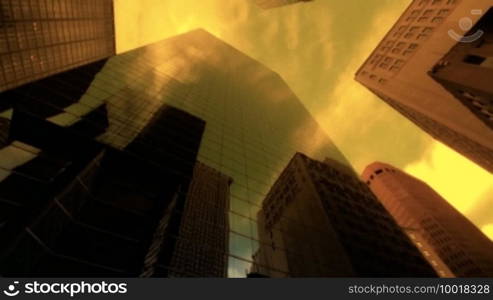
(457, 179)
(317, 48)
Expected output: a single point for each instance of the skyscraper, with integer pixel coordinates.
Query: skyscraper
(253, 126)
(74, 206)
(450, 242)
(319, 219)
(465, 70)
(39, 38)
(397, 72)
(202, 250)
(266, 4)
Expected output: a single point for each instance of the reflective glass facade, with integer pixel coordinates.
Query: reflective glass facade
(254, 124)
(72, 206)
(200, 250)
(43, 37)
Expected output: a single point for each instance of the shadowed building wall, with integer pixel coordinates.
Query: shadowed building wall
(39, 38)
(450, 242)
(466, 70)
(323, 214)
(397, 72)
(78, 207)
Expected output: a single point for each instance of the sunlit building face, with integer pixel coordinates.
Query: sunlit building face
(398, 72)
(450, 242)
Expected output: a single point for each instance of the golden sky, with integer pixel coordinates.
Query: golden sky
(317, 47)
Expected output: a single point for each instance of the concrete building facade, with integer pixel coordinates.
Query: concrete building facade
(398, 72)
(466, 70)
(320, 220)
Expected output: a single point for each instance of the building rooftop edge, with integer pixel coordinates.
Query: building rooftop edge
(384, 37)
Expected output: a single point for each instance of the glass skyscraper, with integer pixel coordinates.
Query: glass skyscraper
(39, 38)
(254, 124)
(74, 206)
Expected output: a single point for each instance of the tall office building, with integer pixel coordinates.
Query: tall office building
(397, 72)
(267, 4)
(79, 195)
(465, 71)
(39, 38)
(202, 250)
(253, 126)
(319, 219)
(450, 242)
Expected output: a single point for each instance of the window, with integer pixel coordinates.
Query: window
(443, 12)
(428, 30)
(437, 20)
(399, 63)
(428, 12)
(487, 63)
(474, 59)
(468, 95)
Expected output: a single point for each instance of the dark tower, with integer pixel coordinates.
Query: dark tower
(320, 220)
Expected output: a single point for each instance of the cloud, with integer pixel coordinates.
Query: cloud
(357, 120)
(481, 211)
(463, 184)
(317, 48)
(146, 21)
(488, 230)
